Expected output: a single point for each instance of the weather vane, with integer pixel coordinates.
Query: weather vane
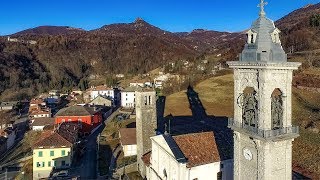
(261, 5)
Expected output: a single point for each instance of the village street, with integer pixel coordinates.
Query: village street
(87, 165)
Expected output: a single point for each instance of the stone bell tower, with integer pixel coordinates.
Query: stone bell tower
(146, 124)
(263, 132)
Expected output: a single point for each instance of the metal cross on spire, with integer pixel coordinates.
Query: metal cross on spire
(261, 5)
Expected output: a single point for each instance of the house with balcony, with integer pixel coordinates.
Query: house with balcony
(52, 151)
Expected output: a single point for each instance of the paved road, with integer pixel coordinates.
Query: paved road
(86, 168)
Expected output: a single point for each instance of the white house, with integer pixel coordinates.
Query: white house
(39, 123)
(188, 157)
(112, 93)
(128, 141)
(40, 113)
(128, 97)
(8, 105)
(141, 84)
(159, 80)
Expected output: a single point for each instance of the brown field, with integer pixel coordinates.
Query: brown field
(216, 95)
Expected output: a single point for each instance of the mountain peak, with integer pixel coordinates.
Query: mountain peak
(139, 19)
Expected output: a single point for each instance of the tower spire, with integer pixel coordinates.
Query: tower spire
(261, 5)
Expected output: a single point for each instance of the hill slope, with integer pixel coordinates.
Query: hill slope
(216, 95)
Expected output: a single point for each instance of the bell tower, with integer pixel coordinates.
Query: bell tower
(263, 132)
(146, 124)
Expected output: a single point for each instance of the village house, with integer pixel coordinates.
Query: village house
(139, 83)
(70, 131)
(35, 103)
(101, 101)
(159, 80)
(7, 120)
(40, 113)
(53, 100)
(104, 91)
(128, 97)
(8, 105)
(10, 135)
(128, 141)
(88, 117)
(40, 123)
(189, 156)
(54, 93)
(52, 151)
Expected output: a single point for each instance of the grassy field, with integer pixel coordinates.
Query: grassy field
(216, 95)
(109, 140)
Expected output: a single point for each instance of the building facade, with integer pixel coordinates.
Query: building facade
(187, 157)
(52, 151)
(128, 97)
(104, 91)
(88, 117)
(263, 132)
(146, 124)
(128, 141)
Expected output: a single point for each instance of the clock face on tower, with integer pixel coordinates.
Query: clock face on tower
(247, 154)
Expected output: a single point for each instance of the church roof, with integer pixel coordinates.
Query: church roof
(198, 148)
(263, 44)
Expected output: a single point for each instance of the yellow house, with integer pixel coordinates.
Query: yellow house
(52, 151)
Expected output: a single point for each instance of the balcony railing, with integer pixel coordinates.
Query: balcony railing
(266, 134)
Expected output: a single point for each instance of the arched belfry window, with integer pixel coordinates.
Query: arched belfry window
(252, 39)
(276, 109)
(249, 107)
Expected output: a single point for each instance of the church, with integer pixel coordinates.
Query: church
(257, 142)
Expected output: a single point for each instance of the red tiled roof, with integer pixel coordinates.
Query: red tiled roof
(146, 158)
(52, 139)
(128, 136)
(36, 101)
(198, 148)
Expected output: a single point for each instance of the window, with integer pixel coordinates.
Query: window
(40, 154)
(219, 175)
(38, 164)
(51, 153)
(49, 163)
(63, 152)
(126, 94)
(42, 164)
(54, 163)
(63, 163)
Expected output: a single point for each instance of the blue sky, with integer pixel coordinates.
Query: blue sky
(171, 15)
